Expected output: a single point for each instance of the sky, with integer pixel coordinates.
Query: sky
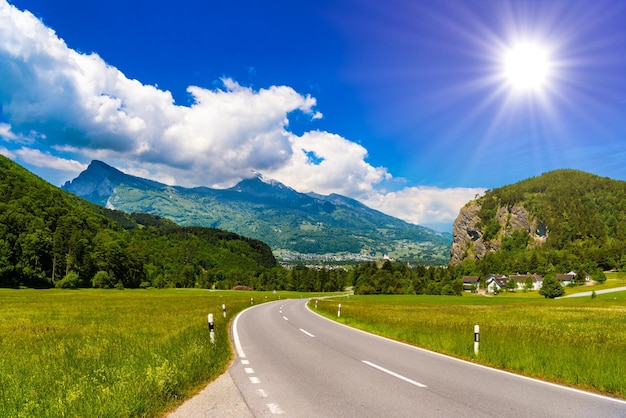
(411, 107)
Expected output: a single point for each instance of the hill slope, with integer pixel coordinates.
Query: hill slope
(47, 233)
(561, 219)
(294, 224)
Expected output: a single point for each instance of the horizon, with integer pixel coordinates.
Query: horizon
(411, 108)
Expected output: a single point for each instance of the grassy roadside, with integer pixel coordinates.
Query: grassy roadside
(110, 353)
(579, 342)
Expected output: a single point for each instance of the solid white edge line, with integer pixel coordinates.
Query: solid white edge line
(307, 333)
(394, 374)
(532, 379)
(235, 333)
(238, 348)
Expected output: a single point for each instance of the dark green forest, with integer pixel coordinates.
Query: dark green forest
(398, 278)
(49, 237)
(582, 215)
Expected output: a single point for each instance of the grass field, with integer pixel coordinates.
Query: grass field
(110, 353)
(579, 342)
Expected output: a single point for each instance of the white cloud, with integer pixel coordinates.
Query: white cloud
(424, 205)
(79, 102)
(342, 168)
(7, 153)
(76, 104)
(47, 160)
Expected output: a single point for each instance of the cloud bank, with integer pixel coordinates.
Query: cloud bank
(61, 108)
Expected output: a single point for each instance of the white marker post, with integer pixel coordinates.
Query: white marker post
(476, 338)
(339, 310)
(315, 303)
(251, 301)
(224, 310)
(211, 328)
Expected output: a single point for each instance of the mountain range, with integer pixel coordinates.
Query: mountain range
(297, 226)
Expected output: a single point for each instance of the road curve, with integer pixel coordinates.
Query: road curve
(293, 362)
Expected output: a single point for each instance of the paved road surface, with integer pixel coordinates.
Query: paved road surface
(293, 362)
(598, 292)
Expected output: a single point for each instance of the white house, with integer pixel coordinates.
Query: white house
(495, 282)
(520, 281)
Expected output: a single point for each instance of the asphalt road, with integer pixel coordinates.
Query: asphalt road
(292, 362)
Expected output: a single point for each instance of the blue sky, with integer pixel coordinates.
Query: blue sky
(404, 105)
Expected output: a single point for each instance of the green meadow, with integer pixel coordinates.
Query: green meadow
(110, 353)
(580, 342)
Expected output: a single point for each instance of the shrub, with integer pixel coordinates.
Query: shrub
(70, 281)
(551, 288)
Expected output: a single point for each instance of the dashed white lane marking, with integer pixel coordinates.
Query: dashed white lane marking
(254, 380)
(307, 333)
(285, 318)
(394, 374)
(249, 370)
(245, 362)
(262, 393)
(275, 409)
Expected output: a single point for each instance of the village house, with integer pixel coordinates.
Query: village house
(470, 283)
(566, 279)
(495, 283)
(521, 279)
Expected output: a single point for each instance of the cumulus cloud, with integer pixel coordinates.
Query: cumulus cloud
(339, 166)
(47, 160)
(56, 99)
(424, 205)
(81, 103)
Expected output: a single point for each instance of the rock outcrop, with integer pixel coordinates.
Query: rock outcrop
(468, 231)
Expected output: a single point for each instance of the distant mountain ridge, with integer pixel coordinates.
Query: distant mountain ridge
(50, 237)
(295, 225)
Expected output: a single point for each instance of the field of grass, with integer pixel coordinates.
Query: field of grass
(110, 353)
(579, 342)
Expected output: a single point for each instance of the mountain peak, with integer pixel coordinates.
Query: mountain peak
(95, 182)
(260, 185)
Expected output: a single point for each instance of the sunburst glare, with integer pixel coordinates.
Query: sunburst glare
(526, 67)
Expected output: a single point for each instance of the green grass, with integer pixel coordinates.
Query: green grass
(109, 353)
(579, 342)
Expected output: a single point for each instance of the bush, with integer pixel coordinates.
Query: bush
(103, 280)
(551, 288)
(70, 281)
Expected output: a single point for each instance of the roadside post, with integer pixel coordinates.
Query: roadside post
(251, 301)
(339, 310)
(224, 309)
(211, 328)
(476, 338)
(315, 303)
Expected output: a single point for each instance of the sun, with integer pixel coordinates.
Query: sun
(526, 67)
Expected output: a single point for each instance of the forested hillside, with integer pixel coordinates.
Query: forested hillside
(297, 226)
(49, 237)
(561, 221)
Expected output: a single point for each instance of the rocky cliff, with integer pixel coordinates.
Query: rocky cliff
(469, 229)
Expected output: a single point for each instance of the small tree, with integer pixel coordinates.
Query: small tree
(598, 276)
(511, 285)
(528, 284)
(70, 281)
(103, 279)
(551, 288)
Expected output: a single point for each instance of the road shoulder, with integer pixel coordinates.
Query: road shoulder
(220, 398)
